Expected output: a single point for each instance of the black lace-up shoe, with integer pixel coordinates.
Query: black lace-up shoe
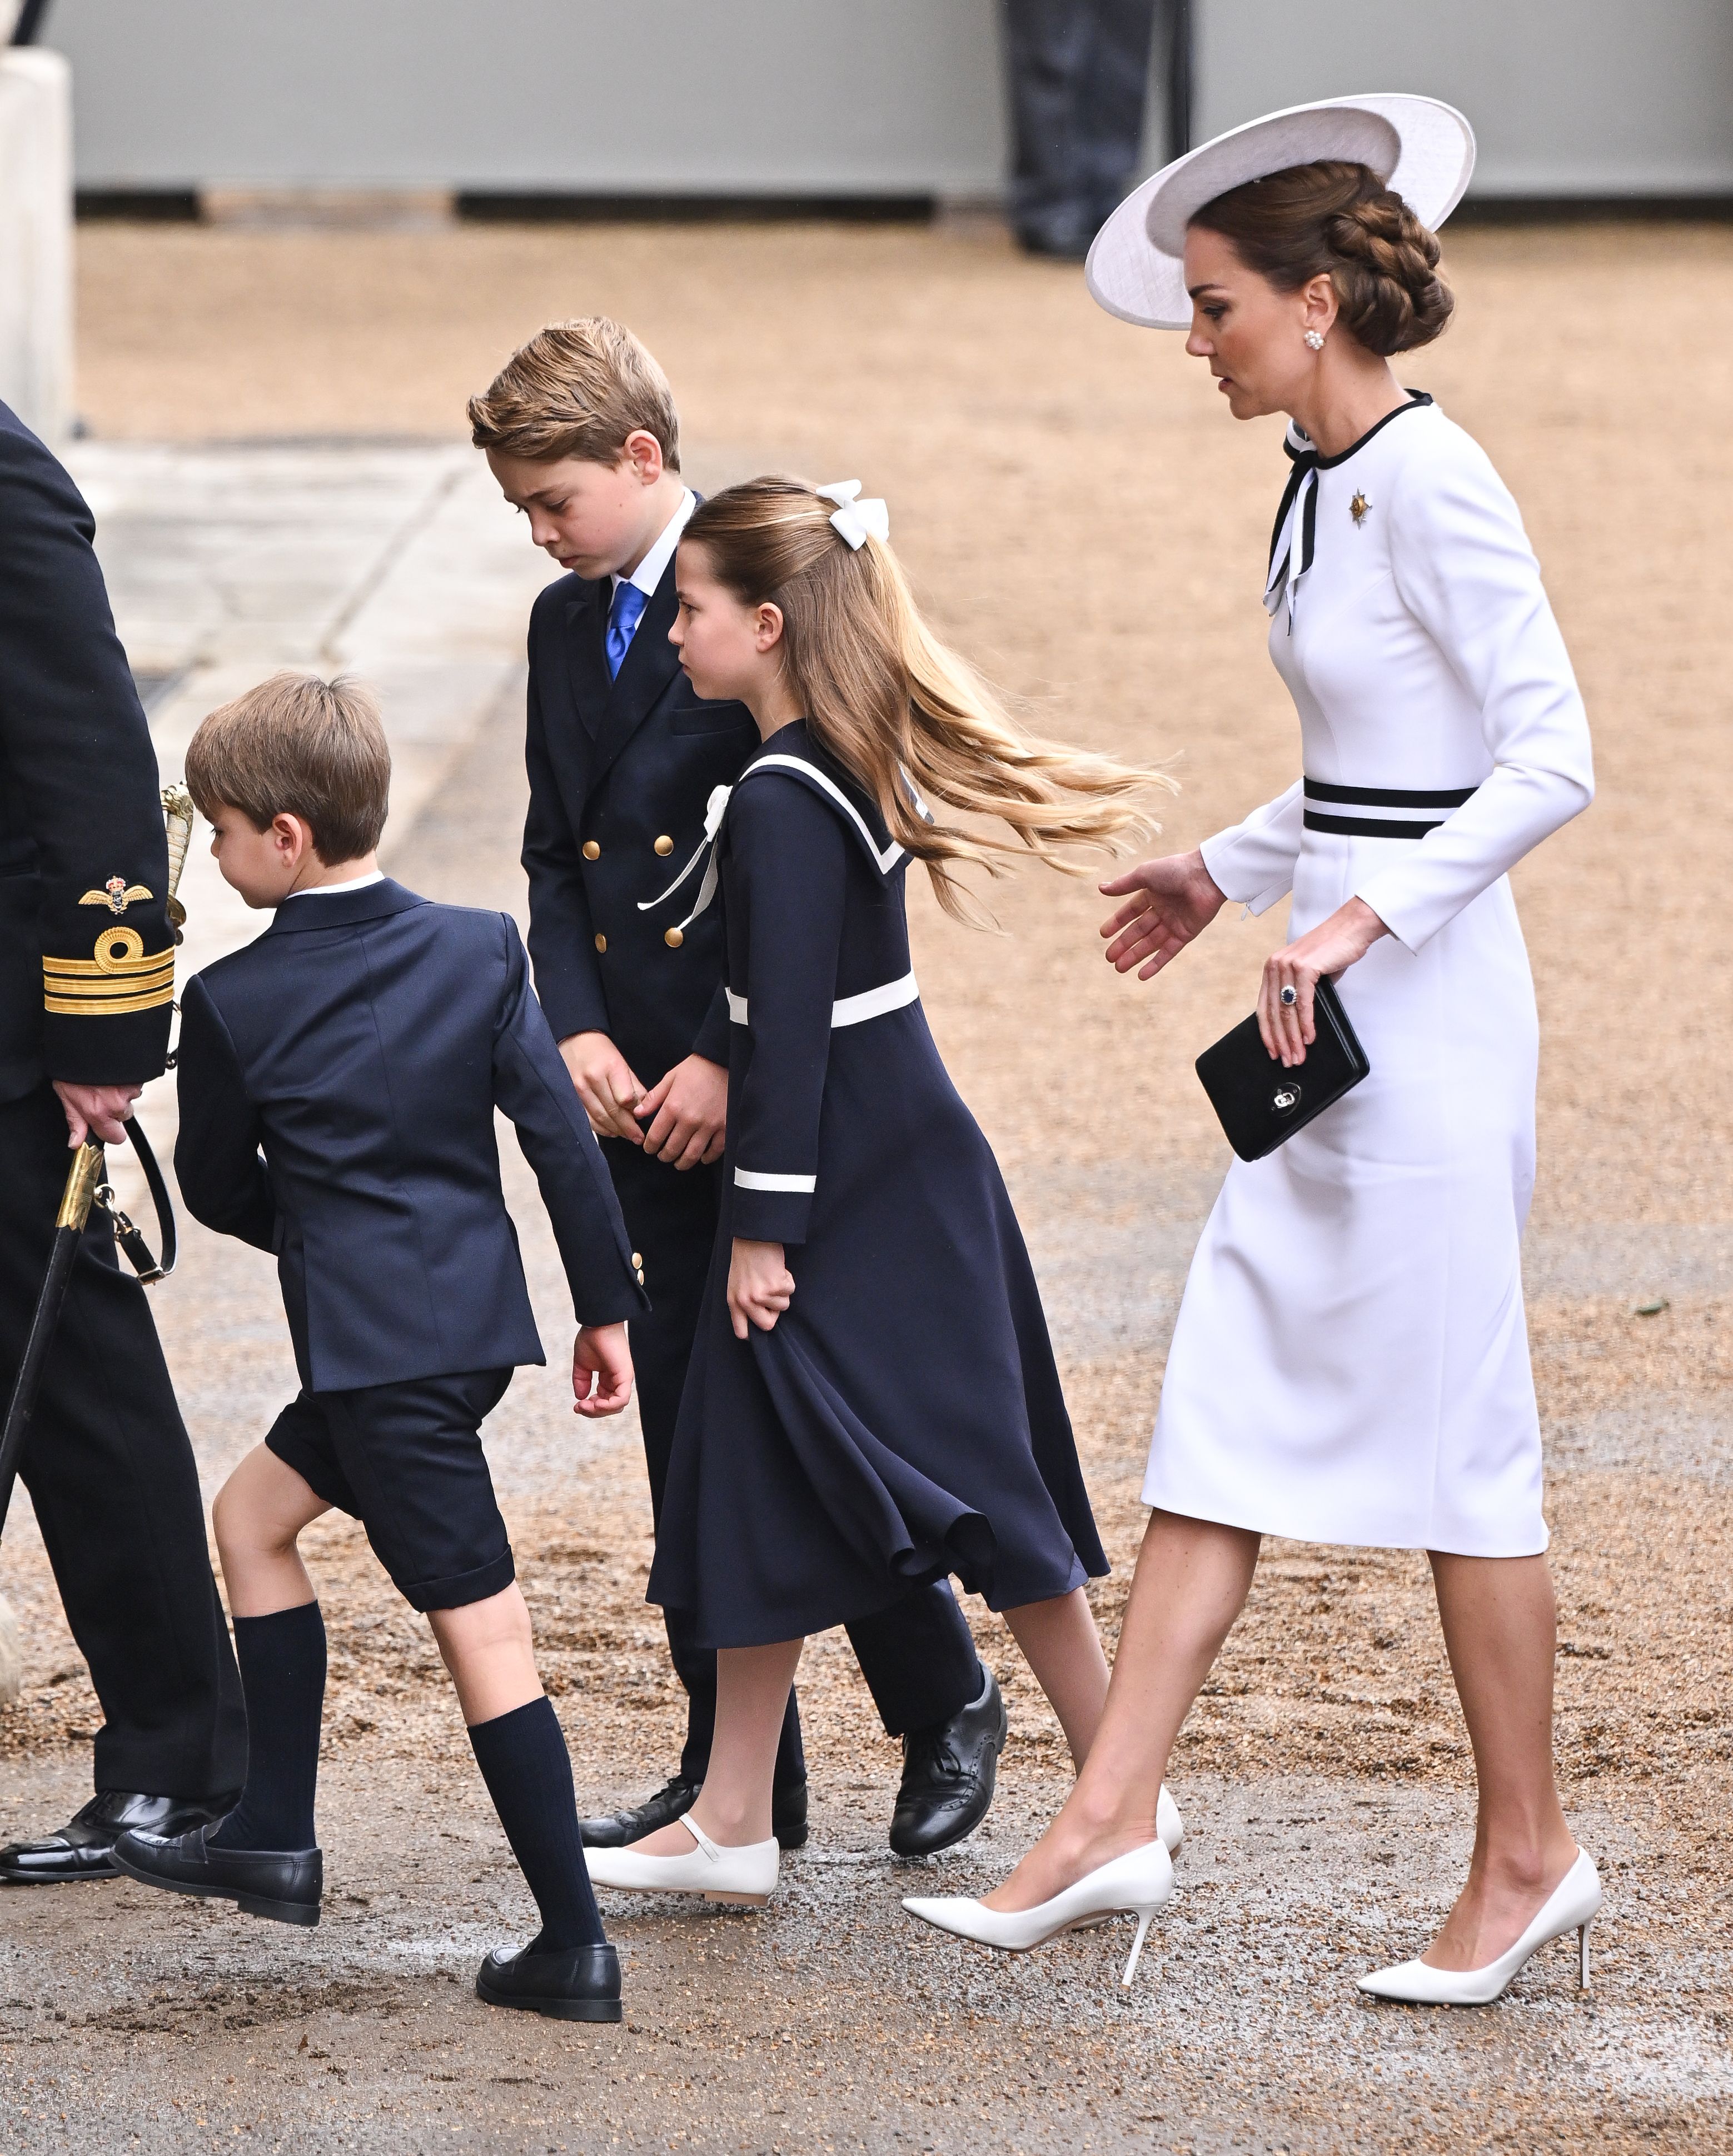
(282, 1884)
(84, 1848)
(675, 1798)
(579, 1983)
(949, 1772)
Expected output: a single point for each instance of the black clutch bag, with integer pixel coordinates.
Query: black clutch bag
(1260, 1104)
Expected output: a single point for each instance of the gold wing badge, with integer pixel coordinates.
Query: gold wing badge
(116, 894)
(119, 977)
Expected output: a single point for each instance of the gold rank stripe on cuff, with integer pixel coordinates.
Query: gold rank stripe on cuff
(86, 988)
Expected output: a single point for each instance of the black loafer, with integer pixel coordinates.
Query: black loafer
(84, 1848)
(949, 1772)
(579, 1983)
(788, 1815)
(673, 1800)
(615, 1830)
(282, 1884)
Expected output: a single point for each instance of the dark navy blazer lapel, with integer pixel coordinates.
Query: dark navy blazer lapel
(587, 657)
(649, 664)
(341, 909)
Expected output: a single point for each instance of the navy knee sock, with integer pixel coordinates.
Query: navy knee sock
(282, 1667)
(528, 1772)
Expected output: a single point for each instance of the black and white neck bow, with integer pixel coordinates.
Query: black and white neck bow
(1294, 539)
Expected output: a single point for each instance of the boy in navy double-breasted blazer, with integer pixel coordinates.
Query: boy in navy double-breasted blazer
(338, 1079)
(581, 432)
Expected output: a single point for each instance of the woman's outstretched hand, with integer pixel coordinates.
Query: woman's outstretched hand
(760, 1285)
(1169, 902)
(1288, 1029)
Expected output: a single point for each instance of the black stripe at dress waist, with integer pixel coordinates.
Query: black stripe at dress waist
(1378, 797)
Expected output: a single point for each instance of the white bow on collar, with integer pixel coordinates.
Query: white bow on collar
(856, 521)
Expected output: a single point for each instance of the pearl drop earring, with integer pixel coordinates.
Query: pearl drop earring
(1315, 339)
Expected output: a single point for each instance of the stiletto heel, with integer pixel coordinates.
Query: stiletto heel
(1136, 1885)
(1571, 1906)
(1143, 1916)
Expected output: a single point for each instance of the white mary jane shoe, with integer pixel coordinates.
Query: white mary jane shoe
(746, 1875)
(1136, 1885)
(1571, 1906)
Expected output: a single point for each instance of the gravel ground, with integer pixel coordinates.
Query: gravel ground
(1072, 511)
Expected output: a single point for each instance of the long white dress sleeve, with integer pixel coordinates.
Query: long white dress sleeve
(1252, 862)
(1462, 565)
(1350, 1363)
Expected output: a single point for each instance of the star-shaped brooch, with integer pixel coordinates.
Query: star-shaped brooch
(1358, 508)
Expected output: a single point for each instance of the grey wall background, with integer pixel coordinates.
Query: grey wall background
(1569, 97)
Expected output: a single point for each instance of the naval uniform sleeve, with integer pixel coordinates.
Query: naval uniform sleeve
(562, 935)
(80, 766)
(712, 1040)
(790, 852)
(531, 1084)
(1252, 862)
(216, 1162)
(1463, 568)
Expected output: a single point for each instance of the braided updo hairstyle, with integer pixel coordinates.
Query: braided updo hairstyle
(1337, 219)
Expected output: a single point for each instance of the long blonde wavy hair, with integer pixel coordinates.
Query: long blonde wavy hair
(886, 698)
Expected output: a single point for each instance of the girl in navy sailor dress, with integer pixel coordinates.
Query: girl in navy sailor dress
(873, 1401)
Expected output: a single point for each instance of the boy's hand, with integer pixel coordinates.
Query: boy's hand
(691, 1108)
(605, 1084)
(601, 1357)
(760, 1285)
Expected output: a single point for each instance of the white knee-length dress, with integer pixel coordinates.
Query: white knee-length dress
(1350, 1363)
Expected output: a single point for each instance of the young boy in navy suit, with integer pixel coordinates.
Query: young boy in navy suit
(361, 1046)
(581, 432)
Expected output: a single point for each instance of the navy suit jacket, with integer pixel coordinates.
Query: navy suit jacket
(616, 766)
(84, 988)
(363, 1043)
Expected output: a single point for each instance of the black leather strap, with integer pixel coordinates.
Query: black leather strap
(149, 1269)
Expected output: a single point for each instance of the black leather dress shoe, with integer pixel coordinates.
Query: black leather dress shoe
(84, 1848)
(949, 1772)
(675, 1798)
(283, 1884)
(578, 1983)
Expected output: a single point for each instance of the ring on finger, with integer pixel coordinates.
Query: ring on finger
(1289, 997)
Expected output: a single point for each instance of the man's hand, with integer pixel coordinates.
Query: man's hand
(760, 1285)
(610, 1093)
(691, 1108)
(1171, 900)
(97, 1112)
(601, 1371)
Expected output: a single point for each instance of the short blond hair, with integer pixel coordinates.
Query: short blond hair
(577, 389)
(297, 745)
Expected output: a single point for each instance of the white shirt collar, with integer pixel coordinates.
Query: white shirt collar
(334, 890)
(648, 574)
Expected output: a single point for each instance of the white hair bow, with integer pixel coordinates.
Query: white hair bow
(856, 521)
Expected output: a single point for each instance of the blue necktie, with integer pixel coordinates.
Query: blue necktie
(622, 617)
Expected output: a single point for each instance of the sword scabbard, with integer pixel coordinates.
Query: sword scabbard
(82, 1178)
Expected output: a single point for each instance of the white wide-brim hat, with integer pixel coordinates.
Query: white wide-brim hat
(1421, 148)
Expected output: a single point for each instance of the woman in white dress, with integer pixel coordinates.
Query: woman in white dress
(1350, 1363)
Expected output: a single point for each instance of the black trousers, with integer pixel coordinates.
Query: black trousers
(1079, 78)
(110, 1474)
(918, 1657)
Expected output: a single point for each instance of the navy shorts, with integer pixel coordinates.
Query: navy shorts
(406, 1460)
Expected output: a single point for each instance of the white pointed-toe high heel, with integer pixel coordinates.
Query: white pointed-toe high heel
(1571, 1906)
(746, 1875)
(1135, 1885)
